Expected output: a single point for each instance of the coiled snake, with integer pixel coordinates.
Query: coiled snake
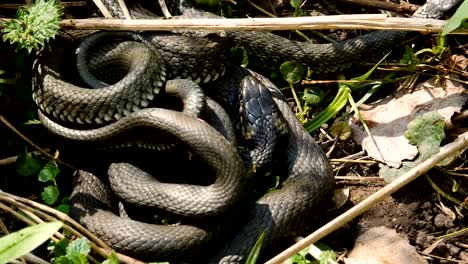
(130, 71)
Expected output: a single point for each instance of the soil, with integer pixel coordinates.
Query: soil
(415, 213)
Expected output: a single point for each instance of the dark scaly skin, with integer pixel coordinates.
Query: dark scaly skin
(266, 49)
(308, 180)
(283, 212)
(92, 203)
(261, 123)
(70, 103)
(142, 62)
(200, 138)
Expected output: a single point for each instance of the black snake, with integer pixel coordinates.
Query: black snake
(268, 124)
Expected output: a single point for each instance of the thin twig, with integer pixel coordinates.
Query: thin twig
(30, 142)
(16, 214)
(445, 259)
(447, 150)
(105, 12)
(356, 178)
(353, 161)
(31, 258)
(124, 8)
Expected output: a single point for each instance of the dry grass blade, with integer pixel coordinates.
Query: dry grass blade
(105, 12)
(124, 8)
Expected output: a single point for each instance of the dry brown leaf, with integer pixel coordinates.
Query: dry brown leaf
(388, 118)
(380, 245)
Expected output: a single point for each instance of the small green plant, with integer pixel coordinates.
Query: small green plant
(427, 133)
(320, 254)
(342, 98)
(75, 252)
(35, 25)
(297, 5)
(29, 164)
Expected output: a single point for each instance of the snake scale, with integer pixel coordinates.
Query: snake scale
(129, 73)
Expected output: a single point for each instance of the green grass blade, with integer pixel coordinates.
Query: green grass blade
(340, 101)
(253, 256)
(457, 19)
(25, 240)
(366, 75)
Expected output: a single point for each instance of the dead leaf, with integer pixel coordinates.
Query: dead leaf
(383, 245)
(388, 118)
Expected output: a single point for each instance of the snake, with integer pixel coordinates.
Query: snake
(135, 69)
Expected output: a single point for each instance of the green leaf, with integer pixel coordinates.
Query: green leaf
(59, 248)
(62, 260)
(457, 19)
(341, 129)
(114, 260)
(27, 164)
(313, 96)
(76, 252)
(427, 133)
(296, 4)
(79, 246)
(292, 71)
(50, 194)
(255, 252)
(327, 254)
(240, 56)
(64, 205)
(25, 240)
(48, 172)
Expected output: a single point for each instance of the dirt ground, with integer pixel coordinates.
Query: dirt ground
(415, 213)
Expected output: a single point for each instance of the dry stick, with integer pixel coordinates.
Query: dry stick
(41, 150)
(16, 214)
(100, 246)
(7, 197)
(29, 212)
(402, 7)
(377, 21)
(447, 150)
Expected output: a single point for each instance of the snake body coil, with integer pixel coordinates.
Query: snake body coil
(129, 72)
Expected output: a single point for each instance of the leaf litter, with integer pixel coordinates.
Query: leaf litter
(388, 118)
